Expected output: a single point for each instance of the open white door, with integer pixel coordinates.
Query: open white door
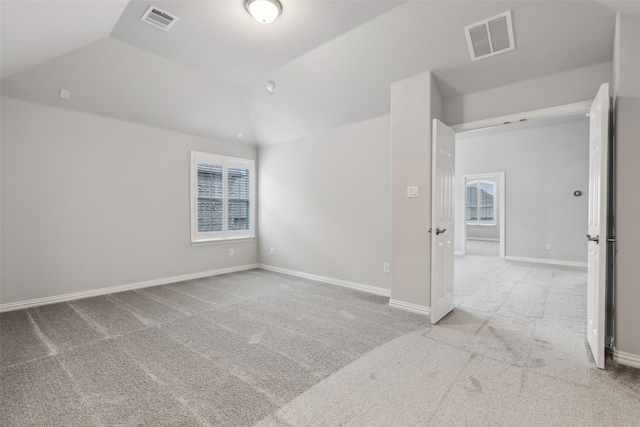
(597, 232)
(442, 220)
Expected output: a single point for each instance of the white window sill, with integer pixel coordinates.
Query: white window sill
(222, 241)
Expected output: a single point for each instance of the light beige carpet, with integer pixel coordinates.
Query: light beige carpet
(267, 349)
(512, 353)
(227, 350)
(470, 372)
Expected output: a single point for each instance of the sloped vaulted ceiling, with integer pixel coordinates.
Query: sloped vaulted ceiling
(332, 61)
(115, 79)
(34, 32)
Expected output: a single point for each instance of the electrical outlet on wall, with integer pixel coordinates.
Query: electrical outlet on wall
(271, 251)
(232, 252)
(385, 267)
(548, 247)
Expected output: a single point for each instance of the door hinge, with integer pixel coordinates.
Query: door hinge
(611, 239)
(609, 344)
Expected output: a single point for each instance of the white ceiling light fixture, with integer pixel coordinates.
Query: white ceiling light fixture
(271, 87)
(264, 11)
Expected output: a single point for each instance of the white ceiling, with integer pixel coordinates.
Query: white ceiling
(332, 61)
(220, 37)
(348, 78)
(115, 79)
(34, 32)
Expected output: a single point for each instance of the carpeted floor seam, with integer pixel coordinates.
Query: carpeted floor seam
(204, 356)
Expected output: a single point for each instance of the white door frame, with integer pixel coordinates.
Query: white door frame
(558, 111)
(543, 113)
(462, 223)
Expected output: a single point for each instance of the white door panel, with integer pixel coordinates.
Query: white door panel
(597, 229)
(442, 216)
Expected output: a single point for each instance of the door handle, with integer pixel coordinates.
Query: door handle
(438, 231)
(593, 239)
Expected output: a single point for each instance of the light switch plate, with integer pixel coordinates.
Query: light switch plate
(412, 191)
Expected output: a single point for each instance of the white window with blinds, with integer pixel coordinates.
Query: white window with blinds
(222, 197)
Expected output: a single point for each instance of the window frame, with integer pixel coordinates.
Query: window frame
(198, 237)
(478, 221)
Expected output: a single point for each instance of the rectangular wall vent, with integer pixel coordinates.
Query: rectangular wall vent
(490, 37)
(159, 18)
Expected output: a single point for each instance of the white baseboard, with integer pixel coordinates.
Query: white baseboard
(458, 253)
(421, 309)
(546, 261)
(371, 289)
(120, 288)
(628, 359)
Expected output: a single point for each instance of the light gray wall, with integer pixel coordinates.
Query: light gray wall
(324, 203)
(580, 84)
(488, 232)
(543, 167)
(485, 232)
(414, 102)
(90, 202)
(627, 140)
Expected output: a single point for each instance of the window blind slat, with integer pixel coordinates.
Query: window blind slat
(210, 198)
(239, 199)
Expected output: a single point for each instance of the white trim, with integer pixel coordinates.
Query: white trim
(120, 288)
(543, 113)
(502, 191)
(223, 241)
(366, 288)
(627, 359)
(458, 253)
(420, 309)
(546, 261)
(483, 239)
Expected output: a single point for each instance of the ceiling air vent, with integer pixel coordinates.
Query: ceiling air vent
(490, 37)
(159, 18)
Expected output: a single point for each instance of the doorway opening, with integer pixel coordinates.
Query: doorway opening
(533, 218)
(548, 215)
(535, 291)
(480, 214)
(524, 233)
